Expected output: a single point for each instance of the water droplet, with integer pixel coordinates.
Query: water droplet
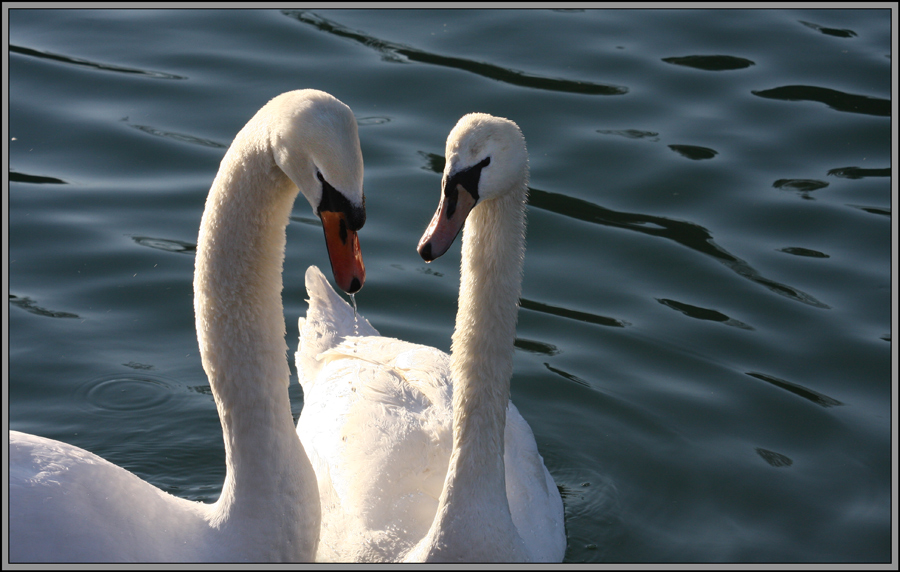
(355, 315)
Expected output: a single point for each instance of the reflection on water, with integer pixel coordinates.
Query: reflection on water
(833, 98)
(30, 305)
(859, 173)
(711, 63)
(773, 458)
(814, 396)
(703, 313)
(694, 152)
(586, 317)
(182, 137)
(398, 53)
(166, 244)
(688, 234)
(16, 177)
(631, 134)
(836, 32)
(95, 65)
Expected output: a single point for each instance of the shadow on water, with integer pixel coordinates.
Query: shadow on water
(399, 53)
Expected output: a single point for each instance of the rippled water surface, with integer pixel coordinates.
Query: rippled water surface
(704, 346)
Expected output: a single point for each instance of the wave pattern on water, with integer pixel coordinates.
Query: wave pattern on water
(398, 53)
(687, 234)
(833, 98)
(71, 60)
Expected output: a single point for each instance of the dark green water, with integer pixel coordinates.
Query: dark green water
(705, 340)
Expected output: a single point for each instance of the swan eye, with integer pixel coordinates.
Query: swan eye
(468, 178)
(335, 201)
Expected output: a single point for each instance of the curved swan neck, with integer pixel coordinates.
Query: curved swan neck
(240, 329)
(481, 368)
(491, 281)
(237, 279)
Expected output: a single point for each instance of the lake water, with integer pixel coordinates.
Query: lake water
(704, 345)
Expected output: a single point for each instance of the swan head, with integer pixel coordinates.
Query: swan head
(315, 141)
(486, 158)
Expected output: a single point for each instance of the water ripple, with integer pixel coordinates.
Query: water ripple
(834, 99)
(29, 305)
(571, 314)
(773, 458)
(399, 53)
(837, 32)
(535, 347)
(193, 140)
(796, 389)
(125, 394)
(166, 244)
(593, 512)
(802, 186)
(694, 152)
(688, 234)
(711, 63)
(566, 375)
(799, 251)
(96, 65)
(873, 210)
(699, 313)
(859, 173)
(374, 120)
(631, 134)
(15, 177)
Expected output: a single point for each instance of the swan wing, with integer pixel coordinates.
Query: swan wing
(376, 424)
(534, 500)
(328, 321)
(377, 427)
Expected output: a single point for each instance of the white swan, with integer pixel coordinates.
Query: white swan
(421, 456)
(68, 505)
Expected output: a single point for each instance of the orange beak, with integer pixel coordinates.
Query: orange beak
(343, 250)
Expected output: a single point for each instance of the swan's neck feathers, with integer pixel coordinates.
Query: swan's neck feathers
(481, 367)
(482, 350)
(240, 329)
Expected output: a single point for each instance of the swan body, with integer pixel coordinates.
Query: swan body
(420, 455)
(69, 505)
